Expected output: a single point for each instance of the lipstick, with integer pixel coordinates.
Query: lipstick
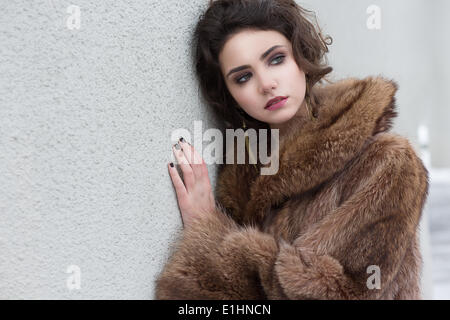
(277, 105)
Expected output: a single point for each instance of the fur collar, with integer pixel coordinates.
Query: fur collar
(351, 112)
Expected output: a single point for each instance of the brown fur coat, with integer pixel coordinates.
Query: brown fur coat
(348, 195)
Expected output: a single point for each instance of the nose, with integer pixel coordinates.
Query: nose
(267, 85)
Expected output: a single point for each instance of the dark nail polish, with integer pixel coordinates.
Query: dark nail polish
(177, 146)
(182, 139)
(171, 164)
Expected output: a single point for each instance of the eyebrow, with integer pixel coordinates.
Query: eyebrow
(265, 54)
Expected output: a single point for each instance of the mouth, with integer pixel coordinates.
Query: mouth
(276, 103)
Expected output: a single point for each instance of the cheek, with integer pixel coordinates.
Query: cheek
(243, 97)
(296, 76)
(296, 72)
(248, 102)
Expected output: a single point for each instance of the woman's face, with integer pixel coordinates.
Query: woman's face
(276, 74)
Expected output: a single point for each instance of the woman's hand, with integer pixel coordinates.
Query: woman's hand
(195, 196)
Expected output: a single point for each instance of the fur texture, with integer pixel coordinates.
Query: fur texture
(348, 195)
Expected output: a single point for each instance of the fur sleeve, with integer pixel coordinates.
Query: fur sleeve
(374, 227)
(217, 259)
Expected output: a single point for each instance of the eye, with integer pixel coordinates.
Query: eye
(238, 80)
(279, 58)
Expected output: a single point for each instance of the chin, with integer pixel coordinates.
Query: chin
(283, 117)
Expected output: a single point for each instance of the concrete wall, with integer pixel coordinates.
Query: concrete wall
(87, 114)
(86, 117)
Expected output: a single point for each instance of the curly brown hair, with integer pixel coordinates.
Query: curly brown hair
(224, 18)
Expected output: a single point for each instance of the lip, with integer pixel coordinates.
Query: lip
(277, 105)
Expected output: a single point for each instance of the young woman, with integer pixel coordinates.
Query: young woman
(339, 219)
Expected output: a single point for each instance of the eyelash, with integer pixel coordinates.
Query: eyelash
(246, 74)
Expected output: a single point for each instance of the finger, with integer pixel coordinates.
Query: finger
(191, 154)
(188, 173)
(194, 158)
(178, 184)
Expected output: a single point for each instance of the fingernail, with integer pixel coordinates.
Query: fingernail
(171, 164)
(184, 141)
(177, 146)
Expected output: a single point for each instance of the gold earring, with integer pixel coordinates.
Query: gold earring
(312, 116)
(308, 102)
(309, 110)
(249, 152)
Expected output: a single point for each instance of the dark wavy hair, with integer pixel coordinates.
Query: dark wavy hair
(224, 18)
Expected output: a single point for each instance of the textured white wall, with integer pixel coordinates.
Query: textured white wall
(86, 117)
(85, 122)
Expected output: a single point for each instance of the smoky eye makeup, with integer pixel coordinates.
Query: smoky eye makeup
(280, 57)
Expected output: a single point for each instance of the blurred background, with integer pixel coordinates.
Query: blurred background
(92, 95)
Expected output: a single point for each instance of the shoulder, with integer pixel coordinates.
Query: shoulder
(390, 175)
(390, 159)
(374, 90)
(391, 148)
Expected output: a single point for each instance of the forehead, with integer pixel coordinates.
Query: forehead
(248, 45)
